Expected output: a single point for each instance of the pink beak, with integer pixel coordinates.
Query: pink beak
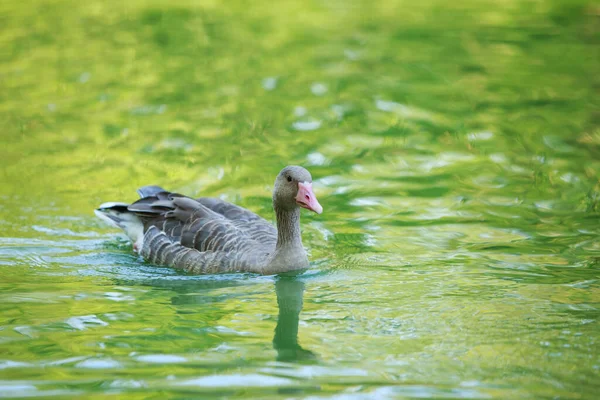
(307, 199)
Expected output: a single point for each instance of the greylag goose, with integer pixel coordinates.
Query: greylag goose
(209, 235)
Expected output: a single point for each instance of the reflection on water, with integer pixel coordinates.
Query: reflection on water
(290, 293)
(456, 149)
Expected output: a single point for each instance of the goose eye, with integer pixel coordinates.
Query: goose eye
(289, 178)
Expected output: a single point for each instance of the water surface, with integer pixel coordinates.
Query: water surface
(456, 152)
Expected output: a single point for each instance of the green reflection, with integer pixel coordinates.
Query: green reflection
(454, 147)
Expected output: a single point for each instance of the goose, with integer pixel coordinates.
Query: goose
(209, 235)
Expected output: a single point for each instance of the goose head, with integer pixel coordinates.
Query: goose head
(293, 188)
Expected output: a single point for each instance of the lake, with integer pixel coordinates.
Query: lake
(455, 149)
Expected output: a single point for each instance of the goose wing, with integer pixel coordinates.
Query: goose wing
(253, 225)
(182, 232)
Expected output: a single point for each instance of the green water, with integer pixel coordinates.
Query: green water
(455, 149)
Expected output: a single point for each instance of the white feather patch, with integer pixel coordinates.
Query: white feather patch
(129, 222)
(112, 204)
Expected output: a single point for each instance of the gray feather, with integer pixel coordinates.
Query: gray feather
(148, 191)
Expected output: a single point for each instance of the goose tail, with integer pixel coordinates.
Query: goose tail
(117, 215)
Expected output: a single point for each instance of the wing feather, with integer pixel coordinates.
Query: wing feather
(201, 236)
(255, 226)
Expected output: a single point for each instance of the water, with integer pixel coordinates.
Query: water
(456, 152)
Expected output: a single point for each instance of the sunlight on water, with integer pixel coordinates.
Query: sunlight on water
(455, 149)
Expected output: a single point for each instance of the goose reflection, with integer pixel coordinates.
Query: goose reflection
(290, 295)
(289, 290)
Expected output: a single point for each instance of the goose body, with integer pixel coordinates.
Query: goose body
(209, 235)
